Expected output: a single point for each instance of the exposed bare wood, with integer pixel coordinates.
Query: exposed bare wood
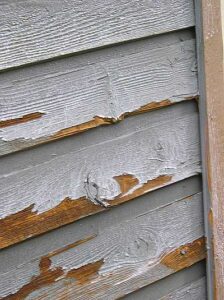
(58, 99)
(63, 237)
(118, 260)
(99, 172)
(23, 119)
(174, 259)
(31, 30)
(210, 22)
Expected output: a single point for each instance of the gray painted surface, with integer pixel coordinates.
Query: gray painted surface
(167, 143)
(56, 239)
(130, 239)
(193, 291)
(190, 282)
(32, 30)
(106, 83)
(131, 251)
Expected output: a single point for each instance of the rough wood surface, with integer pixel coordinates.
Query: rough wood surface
(210, 25)
(31, 30)
(193, 291)
(96, 170)
(54, 100)
(174, 283)
(116, 260)
(41, 245)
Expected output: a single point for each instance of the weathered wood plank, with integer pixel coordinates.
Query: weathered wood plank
(97, 171)
(118, 259)
(193, 291)
(43, 244)
(32, 30)
(170, 284)
(58, 99)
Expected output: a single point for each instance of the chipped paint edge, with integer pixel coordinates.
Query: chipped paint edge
(20, 144)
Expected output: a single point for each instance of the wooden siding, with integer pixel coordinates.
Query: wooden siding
(187, 284)
(193, 291)
(151, 239)
(31, 30)
(108, 211)
(97, 170)
(57, 99)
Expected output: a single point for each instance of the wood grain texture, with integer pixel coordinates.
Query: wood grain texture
(118, 260)
(58, 99)
(211, 77)
(64, 236)
(193, 291)
(169, 286)
(97, 171)
(31, 31)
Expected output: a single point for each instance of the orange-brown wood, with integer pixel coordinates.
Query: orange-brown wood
(182, 257)
(175, 260)
(23, 119)
(28, 223)
(97, 121)
(211, 62)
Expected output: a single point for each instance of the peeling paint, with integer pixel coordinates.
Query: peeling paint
(27, 223)
(144, 188)
(20, 143)
(47, 275)
(129, 250)
(95, 122)
(122, 165)
(185, 255)
(84, 274)
(100, 93)
(175, 260)
(23, 119)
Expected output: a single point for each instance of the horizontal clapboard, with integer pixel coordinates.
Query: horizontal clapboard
(146, 244)
(61, 182)
(58, 99)
(193, 291)
(31, 30)
(187, 284)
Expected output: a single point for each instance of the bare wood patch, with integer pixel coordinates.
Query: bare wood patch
(118, 259)
(84, 274)
(99, 121)
(23, 119)
(185, 255)
(175, 260)
(95, 90)
(88, 176)
(27, 223)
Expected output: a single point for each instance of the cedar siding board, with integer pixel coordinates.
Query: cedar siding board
(96, 170)
(95, 211)
(147, 243)
(57, 99)
(193, 291)
(189, 283)
(31, 31)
